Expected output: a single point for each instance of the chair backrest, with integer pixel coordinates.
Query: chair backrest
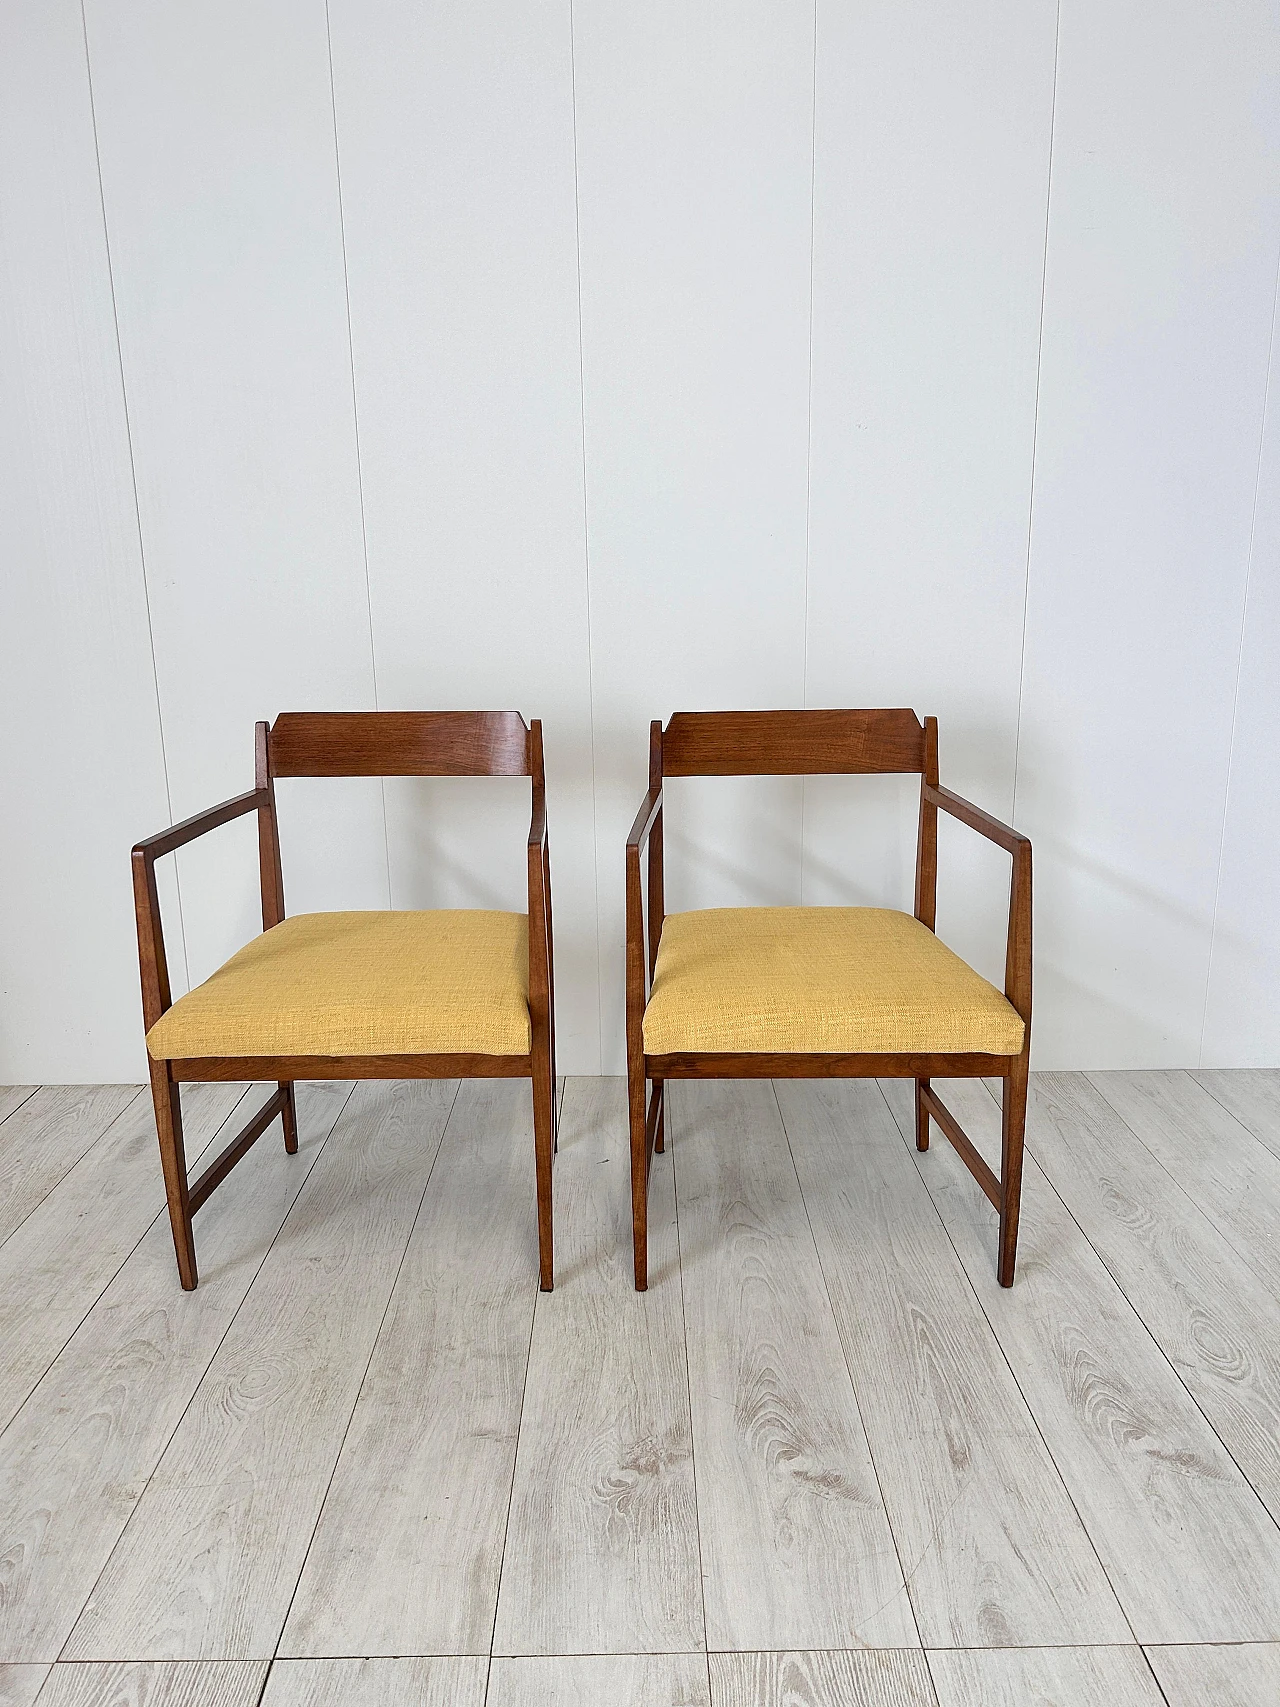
(401, 743)
(792, 743)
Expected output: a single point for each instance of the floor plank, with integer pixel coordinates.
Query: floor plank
(602, 1541)
(1246, 1675)
(439, 1682)
(1147, 1474)
(796, 1548)
(46, 1136)
(19, 1685)
(1233, 1179)
(408, 1563)
(1044, 1677)
(12, 1097)
(143, 1683)
(589, 1680)
(58, 1261)
(212, 1553)
(76, 1458)
(892, 1678)
(1252, 1094)
(1213, 1319)
(995, 1552)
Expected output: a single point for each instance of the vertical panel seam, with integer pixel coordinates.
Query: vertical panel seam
(586, 553)
(133, 474)
(355, 423)
(808, 453)
(1035, 424)
(1235, 701)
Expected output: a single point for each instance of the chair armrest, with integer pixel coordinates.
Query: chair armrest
(155, 847)
(1012, 841)
(1017, 958)
(650, 807)
(152, 965)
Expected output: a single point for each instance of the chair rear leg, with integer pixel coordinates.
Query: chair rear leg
(1012, 1129)
(289, 1117)
(173, 1159)
(660, 1136)
(922, 1116)
(544, 1122)
(639, 1174)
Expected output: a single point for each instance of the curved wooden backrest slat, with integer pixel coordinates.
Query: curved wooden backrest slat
(792, 743)
(399, 743)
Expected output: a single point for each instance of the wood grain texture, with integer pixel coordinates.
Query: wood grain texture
(439, 1682)
(602, 1539)
(994, 1551)
(57, 1262)
(888, 1678)
(144, 1683)
(587, 1680)
(13, 1096)
(19, 1685)
(1147, 1474)
(399, 743)
(1044, 1677)
(211, 1556)
(796, 1548)
(791, 743)
(408, 1563)
(46, 1136)
(1244, 1674)
(1234, 1179)
(1252, 1094)
(1210, 1315)
(75, 1460)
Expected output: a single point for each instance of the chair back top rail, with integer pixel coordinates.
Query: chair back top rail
(400, 743)
(792, 743)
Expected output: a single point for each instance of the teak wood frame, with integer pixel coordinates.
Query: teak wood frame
(823, 743)
(333, 744)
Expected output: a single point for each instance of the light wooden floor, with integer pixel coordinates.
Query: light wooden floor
(825, 1460)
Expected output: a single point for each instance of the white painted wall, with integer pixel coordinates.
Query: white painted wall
(607, 361)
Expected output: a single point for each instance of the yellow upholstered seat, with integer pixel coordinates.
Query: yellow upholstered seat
(818, 981)
(452, 982)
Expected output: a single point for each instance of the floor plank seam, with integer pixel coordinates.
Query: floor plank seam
(110, 1279)
(373, 1346)
(844, 1352)
(670, 1142)
(1178, 1376)
(199, 1384)
(1195, 1073)
(915, 1155)
(89, 1148)
(31, 1091)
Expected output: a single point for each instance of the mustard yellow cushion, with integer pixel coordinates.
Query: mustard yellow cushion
(362, 984)
(818, 981)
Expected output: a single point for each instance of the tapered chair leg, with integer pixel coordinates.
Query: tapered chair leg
(660, 1135)
(922, 1116)
(289, 1117)
(173, 1159)
(544, 1117)
(1012, 1128)
(639, 1175)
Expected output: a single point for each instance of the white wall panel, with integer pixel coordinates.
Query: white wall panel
(215, 125)
(1242, 1014)
(929, 231)
(1161, 275)
(81, 769)
(694, 158)
(455, 129)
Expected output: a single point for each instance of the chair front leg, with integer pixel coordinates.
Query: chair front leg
(639, 1168)
(173, 1159)
(1012, 1129)
(544, 1094)
(922, 1115)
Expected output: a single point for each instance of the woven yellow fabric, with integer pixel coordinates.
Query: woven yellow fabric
(362, 984)
(818, 981)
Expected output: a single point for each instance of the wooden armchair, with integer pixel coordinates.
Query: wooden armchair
(374, 995)
(821, 992)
